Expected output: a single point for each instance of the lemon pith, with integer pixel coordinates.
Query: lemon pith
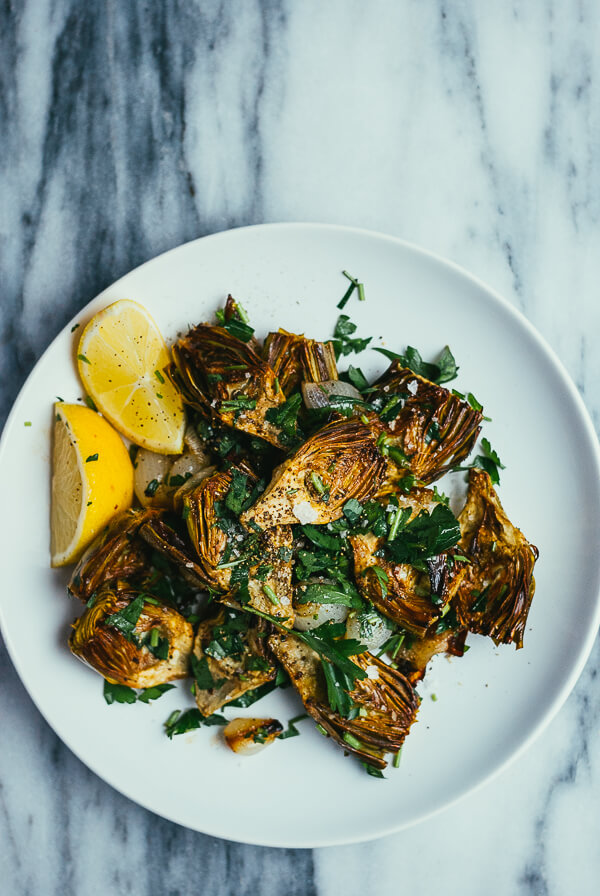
(121, 359)
(92, 480)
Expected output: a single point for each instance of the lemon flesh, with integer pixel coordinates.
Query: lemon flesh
(121, 359)
(92, 480)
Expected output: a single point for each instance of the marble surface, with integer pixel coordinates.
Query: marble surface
(472, 128)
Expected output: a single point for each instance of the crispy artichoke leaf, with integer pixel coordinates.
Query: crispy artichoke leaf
(498, 587)
(117, 553)
(283, 353)
(411, 597)
(386, 698)
(415, 653)
(318, 361)
(225, 378)
(129, 660)
(433, 428)
(294, 358)
(160, 536)
(229, 659)
(339, 462)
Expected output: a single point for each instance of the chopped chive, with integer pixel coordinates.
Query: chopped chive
(158, 395)
(88, 504)
(361, 292)
(90, 403)
(271, 595)
(322, 730)
(396, 762)
(434, 697)
(58, 398)
(74, 327)
(154, 636)
(27, 423)
(91, 458)
(395, 524)
(84, 359)
(352, 741)
(159, 376)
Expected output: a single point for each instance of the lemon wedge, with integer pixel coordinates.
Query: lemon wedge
(121, 358)
(92, 480)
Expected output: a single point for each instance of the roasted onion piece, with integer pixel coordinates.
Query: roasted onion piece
(131, 640)
(430, 427)
(249, 736)
(225, 378)
(339, 462)
(228, 659)
(386, 700)
(498, 586)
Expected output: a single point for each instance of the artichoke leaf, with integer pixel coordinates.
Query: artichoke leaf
(432, 428)
(231, 654)
(385, 698)
(128, 659)
(498, 586)
(339, 462)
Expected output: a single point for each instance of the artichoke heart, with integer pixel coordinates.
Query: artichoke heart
(228, 659)
(339, 462)
(385, 698)
(412, 596)
(225, 378)
(432, 428)
(498, 585)
(117, 553)
(132, 641)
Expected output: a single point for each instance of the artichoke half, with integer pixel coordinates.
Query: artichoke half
(412, 596)
(498, 585)
(226, 379)
(133, 639)
(228, 659)
(432, 428)
(339, 462)
(385, 698)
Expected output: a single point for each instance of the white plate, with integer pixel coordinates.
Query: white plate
(490, 704)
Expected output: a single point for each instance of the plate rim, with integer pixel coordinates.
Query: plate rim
(594, 453)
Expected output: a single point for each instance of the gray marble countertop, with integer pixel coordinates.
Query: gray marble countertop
(470, 128)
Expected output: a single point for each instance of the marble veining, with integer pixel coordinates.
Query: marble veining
(470, 128)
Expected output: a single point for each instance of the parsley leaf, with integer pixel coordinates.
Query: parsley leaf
(291, 730)
(118, 693)
(154, 692)
(489, 461)
(343, 342)
(180, 723)
(426, 536)
(202, 674)
(444, 370)
(125, 620)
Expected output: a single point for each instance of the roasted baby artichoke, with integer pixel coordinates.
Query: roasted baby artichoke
(412, 593)
(339, 462)
(224, 377)
(386, 702)
(117, 553)
(429, 429)
(498, 586)
(132, 639)
(228, 659)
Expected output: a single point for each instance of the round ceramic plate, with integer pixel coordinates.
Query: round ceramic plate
(490, 704)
